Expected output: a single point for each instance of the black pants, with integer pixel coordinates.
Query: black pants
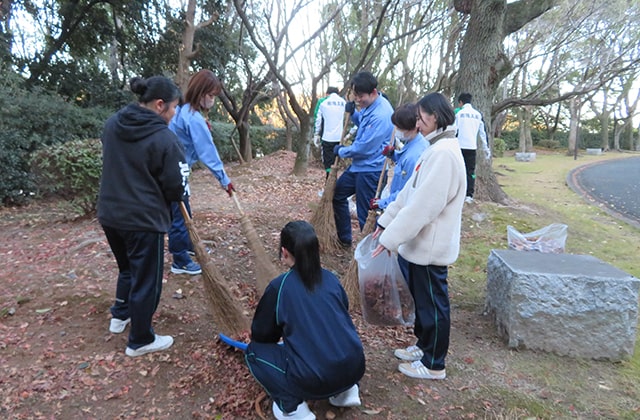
(140, 258)
(428, 286)
(328, 157)
(469, 156)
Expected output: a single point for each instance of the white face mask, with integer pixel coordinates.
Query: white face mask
(403, 135)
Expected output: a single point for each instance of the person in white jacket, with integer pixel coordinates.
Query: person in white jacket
(423, 225)
(470, 126)
(329, 125)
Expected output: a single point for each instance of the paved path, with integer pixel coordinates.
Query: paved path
(614, 183)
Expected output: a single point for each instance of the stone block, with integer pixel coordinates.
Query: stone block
(572, 305)
(525, 156)
(597, 151)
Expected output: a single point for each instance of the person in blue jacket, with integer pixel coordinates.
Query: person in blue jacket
(192, 128)
(321, 355)
(407, 148)
(373, 120)
(143, 171)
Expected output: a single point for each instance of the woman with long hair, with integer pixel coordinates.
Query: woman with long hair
(192, 127)
(321, 355)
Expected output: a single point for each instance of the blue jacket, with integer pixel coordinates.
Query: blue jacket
(374, 132)
(405, 161)
(193, 131)
(324, 350)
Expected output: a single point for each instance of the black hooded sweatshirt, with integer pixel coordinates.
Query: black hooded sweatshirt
(143, 171)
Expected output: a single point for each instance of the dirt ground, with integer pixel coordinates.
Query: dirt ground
(59, 361)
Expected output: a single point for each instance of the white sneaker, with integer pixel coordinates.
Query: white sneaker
(348, 398)
(411, 353)
(162, 342)
(117, 326)
(468, 200)
(418, 370)
(302, 412)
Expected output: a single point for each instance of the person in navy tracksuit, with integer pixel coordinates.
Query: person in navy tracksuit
(321, 355)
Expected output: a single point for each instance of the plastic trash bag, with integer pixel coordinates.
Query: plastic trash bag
(384, 295)
(550, 239)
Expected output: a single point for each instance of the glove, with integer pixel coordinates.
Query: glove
(336, 149)
(487, 153)
(230, 189)
(350, 107)
(388, 150)
(373, 204)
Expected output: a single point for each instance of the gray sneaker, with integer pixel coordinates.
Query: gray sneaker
(116, 326)
(410, 354)
(162, 342)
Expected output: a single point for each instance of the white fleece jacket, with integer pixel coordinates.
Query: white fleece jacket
(423, 223)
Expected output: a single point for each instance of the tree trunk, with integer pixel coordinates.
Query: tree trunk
(246, 150)
(186, 52)
(483, 65)
(574, 111)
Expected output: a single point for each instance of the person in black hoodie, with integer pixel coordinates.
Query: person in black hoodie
(321, 355)
(143, 171)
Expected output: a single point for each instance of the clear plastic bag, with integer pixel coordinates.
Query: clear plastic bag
(550, 239)
(384, 295)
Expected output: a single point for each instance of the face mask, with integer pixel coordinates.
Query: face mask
(403, 135)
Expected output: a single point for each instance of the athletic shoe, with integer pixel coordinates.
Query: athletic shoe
(468, 200)
(411, 353)
(192, 268)
(302, 413)
(117, 326)
(418, 370)
(192, 253)
(162, 342)
(348, 398)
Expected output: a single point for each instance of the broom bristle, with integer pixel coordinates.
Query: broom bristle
(350, 282)
(352, 286)
(323, 219)
(226, 311)
(265, 270)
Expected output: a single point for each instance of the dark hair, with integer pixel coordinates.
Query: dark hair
(364, 82)
(465, 98)
(155, 87)
(331, 90)
(299, 238)
(405, 117)
(436, 104)
(202, 83)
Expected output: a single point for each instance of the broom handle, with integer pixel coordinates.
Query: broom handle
(386, 163)
(235, 198)
(347, 118)
(183, 210)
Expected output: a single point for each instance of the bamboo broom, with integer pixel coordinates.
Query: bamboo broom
(265, 270)
(227, 313)
(323, 220)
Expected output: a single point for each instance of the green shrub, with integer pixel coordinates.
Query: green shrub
(72, 171)
(264, 140)
(549, 144)
(30, 120)
(499, 147)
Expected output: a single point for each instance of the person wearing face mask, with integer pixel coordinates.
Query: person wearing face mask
(404, 152)
(192, 128)
(423, 225)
